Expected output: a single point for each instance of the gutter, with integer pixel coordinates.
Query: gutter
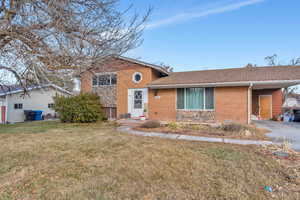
(240, 83)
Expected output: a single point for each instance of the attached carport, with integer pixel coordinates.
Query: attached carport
(267, 98)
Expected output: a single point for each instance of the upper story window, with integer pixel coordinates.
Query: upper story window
(137, 77)
(195, 98)
(105, 79)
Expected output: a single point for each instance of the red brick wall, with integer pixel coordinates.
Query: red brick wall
(109, 65)
(231, 104)
(162, 107)
(125, 71)
(125, 82)
(86, 81)
(277, 100)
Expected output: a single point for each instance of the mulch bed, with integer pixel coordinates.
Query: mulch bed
(206, 133)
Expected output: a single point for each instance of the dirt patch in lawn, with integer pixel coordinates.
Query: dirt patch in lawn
(234, 131)
(94, 161)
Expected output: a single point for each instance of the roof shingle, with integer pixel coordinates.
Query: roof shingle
(244, 74)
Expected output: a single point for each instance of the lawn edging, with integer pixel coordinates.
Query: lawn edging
(127, 129)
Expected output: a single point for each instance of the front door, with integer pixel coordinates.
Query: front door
(137, 99)
(265, 106)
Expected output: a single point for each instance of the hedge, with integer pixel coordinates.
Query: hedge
(82, 108)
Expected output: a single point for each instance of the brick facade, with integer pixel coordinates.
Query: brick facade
(116, 96)
(277, 101)
(231, 104)
(125, 82)
(162, 104)
(86, 81)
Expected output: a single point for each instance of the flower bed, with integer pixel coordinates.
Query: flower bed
(231, 130)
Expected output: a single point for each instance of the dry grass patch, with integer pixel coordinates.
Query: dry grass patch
(94, 161)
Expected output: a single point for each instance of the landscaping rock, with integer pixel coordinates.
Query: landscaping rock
(247, 133)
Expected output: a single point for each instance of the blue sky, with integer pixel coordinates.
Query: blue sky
(207, 34)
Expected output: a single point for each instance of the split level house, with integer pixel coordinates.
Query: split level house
(132, 88)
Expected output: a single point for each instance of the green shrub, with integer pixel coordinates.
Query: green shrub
(151, 124)
(82, 108)
(173, 125)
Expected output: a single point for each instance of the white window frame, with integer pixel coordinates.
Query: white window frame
(204, 101)
(133, 77)
(106, 73)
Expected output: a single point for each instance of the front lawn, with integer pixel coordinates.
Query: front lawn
(50, 160)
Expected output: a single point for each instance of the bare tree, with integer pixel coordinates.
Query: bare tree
(44, 41)
(168, 68)
(273, 61)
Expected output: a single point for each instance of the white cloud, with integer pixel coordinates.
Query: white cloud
(204, 13)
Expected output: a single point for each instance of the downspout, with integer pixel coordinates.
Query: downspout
(250, 102)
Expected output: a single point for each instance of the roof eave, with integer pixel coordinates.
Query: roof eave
(156, 67)
(37, 87)
(225, 84)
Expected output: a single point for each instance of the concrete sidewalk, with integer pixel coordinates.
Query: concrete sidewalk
(127, 129)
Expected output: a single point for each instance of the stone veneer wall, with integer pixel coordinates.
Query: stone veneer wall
(108, 95)
(195, 116)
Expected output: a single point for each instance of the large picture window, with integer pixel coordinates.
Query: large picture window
(195, 98)
(105, 79)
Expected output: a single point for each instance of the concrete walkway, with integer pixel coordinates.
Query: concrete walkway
(127, 129)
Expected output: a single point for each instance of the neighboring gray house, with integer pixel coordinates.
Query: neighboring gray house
(13, 102)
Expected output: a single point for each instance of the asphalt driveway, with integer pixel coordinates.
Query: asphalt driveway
(281, 131)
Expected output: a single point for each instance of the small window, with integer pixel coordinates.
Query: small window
(137, 77)
(51, 105)
(18, 106)
(104, 79)
(138, 99)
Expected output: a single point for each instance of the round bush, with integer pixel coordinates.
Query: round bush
(82, 108)
(151, 124)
